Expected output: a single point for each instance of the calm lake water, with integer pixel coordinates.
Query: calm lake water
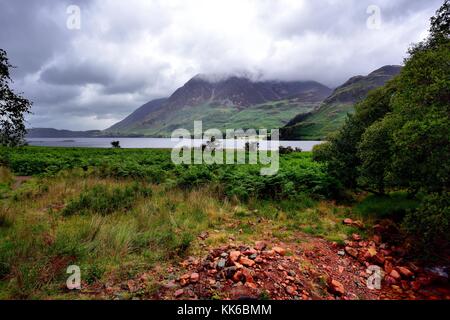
(152, 143)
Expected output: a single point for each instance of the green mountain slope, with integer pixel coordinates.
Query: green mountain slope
(331, 115)
(231, 103)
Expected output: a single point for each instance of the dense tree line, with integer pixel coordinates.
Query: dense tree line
(399, 137)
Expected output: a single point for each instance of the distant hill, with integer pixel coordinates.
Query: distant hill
(232, 102)
(55, 133)
(331, 115)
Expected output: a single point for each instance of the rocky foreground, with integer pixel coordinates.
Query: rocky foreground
(309, 269)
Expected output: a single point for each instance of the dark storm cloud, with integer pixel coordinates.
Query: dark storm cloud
(79, 73)
(128, 52)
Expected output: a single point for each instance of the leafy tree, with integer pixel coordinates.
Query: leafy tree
(375, 152)
(13, 107)
(341, 155)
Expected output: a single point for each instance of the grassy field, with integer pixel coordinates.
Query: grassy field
(116, 213)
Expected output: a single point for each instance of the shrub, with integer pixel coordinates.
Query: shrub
(429, 225)
(102, 200)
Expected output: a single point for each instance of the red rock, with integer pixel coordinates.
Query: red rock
(249, 252)
(405, 272)
(377, 239)
(415, 285)
(251, 285)
(260, 245)
(238, 276)
(246, 262)
(388, 267)
(290, 290)
(356, 237)
(351, 252)
(389, 280)
(394, 274)
(279, 250)
(248, 276)
(184, 279)
(397, 289)
(234, 255)
(259, 260)
(194, 277)
(340, 269)
(178, 293)
(405, 284)
(348, 221)
(379, 259)
(336, 287)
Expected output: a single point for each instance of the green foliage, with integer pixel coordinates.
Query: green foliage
(13, 107)
(103, 200)
(429, 225)
(298, 174)
(393, 205)
(373, 151)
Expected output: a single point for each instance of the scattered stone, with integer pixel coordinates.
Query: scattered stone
(234, 255)
(260, 245)
(379, 259)
(221, 263)
(279, 250)
(405, 272)
(203, 235)
(249, 252)
(184, 279)
(246, 262)
(351, 252)
(388, 268)
(377, 239)
(336, 287)
(394, 274)
(356, 237)
(389, 280)
(341, 253)
(194, 277)
(290, 290)
(178, 293)
(348, 221)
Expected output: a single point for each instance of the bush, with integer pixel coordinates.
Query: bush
(429, 225)
(102, 200)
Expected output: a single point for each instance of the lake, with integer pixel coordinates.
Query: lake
(152, 143)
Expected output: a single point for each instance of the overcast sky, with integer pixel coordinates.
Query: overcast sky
(126, 53)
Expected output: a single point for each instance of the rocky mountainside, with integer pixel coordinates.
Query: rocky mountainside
(233, 102)
(333, 111)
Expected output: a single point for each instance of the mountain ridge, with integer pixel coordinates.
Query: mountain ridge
(331, 114)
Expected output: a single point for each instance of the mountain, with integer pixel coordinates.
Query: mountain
(138, 114)
(55, 133)
(331, 115)
(231, 102)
